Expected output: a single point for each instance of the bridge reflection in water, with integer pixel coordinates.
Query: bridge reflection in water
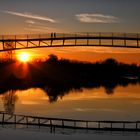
(14, 42)
(53, 123)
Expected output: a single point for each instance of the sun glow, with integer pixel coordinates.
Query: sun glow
(24, 57)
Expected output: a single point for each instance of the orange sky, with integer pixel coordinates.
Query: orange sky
(92, 54)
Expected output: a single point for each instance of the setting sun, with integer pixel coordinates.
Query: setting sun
(24, 57)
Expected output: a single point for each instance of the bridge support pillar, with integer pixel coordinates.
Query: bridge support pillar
(87, 39)
(137, 40)
(62, 123)
(15, 119)
(125, 40)
(75, 41)
(39, 43)
(3, 42)
(136, 125)
(39, 122)
(27, 41)
(27, 121)
(112, 40)
(51, 42)
(99, 125)
(123, 125)
(100, 42)
(3, 118)
(111, 125)
(137, 43)
(87, 125)
(87, 42)
(74, 123)
(63, 42)
(15, 42)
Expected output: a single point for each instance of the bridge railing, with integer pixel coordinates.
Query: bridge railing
(65, 35)
(126, 35)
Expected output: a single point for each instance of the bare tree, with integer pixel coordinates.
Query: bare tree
(10, 53)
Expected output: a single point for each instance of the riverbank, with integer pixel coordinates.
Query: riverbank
(58, 77)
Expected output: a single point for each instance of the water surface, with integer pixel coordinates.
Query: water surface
(90, 104)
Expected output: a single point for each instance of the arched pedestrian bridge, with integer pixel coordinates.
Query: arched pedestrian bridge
(14, 42)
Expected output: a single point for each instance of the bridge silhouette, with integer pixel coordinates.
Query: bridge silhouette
(15, 42)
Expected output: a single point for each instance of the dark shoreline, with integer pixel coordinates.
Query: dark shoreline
(58, 77)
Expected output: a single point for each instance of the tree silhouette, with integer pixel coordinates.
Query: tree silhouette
(52, 58)
(58, 77)
(9, 100)
(9, 53)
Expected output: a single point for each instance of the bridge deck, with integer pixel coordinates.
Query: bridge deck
(79, 39)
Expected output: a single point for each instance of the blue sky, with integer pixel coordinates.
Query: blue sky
(39, 16)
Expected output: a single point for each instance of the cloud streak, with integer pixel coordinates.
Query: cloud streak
(96, 18)
(31, 16)
(30, 21)
(41, 28)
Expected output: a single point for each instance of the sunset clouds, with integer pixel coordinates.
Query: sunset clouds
(96, 18)
(31, 16)
(84, 17)
(70, 16)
